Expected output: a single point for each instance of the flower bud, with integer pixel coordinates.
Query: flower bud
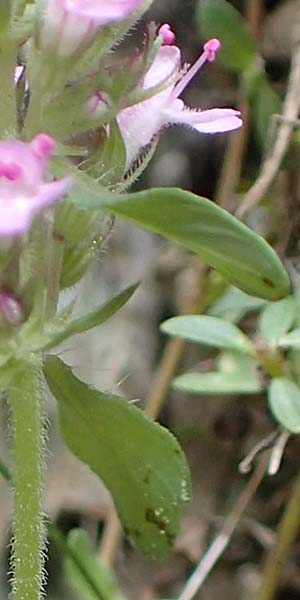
(11, 310)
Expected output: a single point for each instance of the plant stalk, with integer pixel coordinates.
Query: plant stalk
(28, 445)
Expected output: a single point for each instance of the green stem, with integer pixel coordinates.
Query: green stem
(27, 427)
(277, 557)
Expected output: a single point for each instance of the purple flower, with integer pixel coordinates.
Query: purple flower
(23, 192)
(141, 122)
(69, 26)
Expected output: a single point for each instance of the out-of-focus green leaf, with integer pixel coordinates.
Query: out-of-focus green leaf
(209, 331)
(236, 374)
(284, 401)
(83, 564)
(276, 319)
(219, 19)
(234, 304)
(140, 462)
(265, 103)
(291, 339)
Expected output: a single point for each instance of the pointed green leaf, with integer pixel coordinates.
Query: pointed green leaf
(140, 462)
(284, 401)
(219, 19)
(83, 563)
(276, 319)
(93, 319)
(209, 331)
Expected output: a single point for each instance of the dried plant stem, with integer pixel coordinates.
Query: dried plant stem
(278, 554)
(28, 527)
(290, 112)
(219, 545)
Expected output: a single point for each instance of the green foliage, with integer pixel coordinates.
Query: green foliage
(236, 375)
(234, 304)
(264, 102)
(284, 402)
(209, 331)
(276, 319)
(291, 339)
(88, 576)
(140, 462)
(234, 250)
(93, 319)
(219, 19)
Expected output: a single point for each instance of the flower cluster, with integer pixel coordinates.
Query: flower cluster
(65, 29)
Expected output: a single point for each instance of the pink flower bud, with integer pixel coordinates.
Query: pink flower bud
(11, 310)
(167, 34)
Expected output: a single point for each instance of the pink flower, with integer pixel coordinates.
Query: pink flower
(69, 26)
(23, 192)
(141, 122)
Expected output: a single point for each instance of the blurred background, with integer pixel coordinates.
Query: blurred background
(216, 432)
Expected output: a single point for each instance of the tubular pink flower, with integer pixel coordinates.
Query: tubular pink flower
(23, 191)
(69, 26)
(141, 122)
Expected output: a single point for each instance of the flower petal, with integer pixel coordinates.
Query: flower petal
(214, 120)
(165, 65)
(103, 12)
(16, 214)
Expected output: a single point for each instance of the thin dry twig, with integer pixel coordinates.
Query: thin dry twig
(290, 112)
(219, 545)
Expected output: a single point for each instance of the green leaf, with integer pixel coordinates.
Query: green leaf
(93, 319)
(265, 102)
(84, 563)
(140, 462)
(277, 319)
(218, 19)
(215, 383)
(209, 331)
(236, 374)
(284, 401)
(240, 255)
(234, 304)
(291, 340)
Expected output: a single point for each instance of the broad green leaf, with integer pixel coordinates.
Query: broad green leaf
(234, 304)
(276, 319)
(218, 19)
(291, 339)
(93, 319)
(240, 255)
(86, 573)
(139, 461)
(209, 331)
(284, 401)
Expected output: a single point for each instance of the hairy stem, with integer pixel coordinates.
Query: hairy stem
(27, 429)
